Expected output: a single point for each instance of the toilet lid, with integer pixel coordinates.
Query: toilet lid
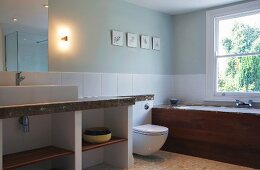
(150, 129)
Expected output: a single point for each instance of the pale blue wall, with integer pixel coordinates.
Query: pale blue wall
(189, 43)
(91, 22)
(183, 38)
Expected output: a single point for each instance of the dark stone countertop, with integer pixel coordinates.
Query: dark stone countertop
(67, 106)
(144, 97)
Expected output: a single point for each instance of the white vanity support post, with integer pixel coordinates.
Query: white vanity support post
(119, 120)
(130, 137)
(78, 140)
(1, 144)
(67, 134)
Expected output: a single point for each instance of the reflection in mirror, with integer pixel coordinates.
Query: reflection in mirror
(24, 35)
(26, 52)
(11, 52)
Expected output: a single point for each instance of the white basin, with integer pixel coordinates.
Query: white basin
(18, 95)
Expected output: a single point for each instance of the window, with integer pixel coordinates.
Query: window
(233, 52)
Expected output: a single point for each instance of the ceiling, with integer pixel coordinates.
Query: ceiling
(29, 13)
(180, 6)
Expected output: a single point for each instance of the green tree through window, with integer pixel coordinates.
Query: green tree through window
(242, 74)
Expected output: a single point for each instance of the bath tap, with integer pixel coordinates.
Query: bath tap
(19, 78)
(241, 103)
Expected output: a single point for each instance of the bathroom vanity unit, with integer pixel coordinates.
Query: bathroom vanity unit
(54, 140)
(224, 134)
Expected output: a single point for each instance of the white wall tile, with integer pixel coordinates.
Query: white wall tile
(7, 78)
(125, 84)
(92, 84)
(106, 84)
(149, 81)
(138, 84)
(167, 83)
(36, 78)
(156, 84)
(142, 84)
(74, 79)
(189, 88)
(109, 84)
(162, 83)
(162, 97)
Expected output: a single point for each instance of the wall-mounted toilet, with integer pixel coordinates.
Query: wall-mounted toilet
(147, 138)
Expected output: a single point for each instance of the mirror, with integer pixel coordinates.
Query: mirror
(24, 35)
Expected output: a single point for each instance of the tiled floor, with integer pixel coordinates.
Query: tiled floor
(172, 161)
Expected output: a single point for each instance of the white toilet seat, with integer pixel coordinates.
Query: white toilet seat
(151, 130)
(148, 139)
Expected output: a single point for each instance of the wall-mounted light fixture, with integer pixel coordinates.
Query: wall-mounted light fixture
(63, 38)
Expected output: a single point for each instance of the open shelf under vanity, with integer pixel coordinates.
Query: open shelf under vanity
(20, 159)
(54, 141)
(114, 140)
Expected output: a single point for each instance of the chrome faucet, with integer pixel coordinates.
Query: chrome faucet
(19, 78)
(241, 103)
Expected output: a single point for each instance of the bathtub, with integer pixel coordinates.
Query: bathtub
(226, 134)
(220, 109)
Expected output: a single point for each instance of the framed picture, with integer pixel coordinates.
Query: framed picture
(156, 43)
(145, 42)
(117, 38)
(131, 40)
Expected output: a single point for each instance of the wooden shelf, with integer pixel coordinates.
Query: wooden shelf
(16, 160)
(89, 146)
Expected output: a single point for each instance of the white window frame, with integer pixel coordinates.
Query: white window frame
(211, 67)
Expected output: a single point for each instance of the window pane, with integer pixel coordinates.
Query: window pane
(238, 74)
(239, 35)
